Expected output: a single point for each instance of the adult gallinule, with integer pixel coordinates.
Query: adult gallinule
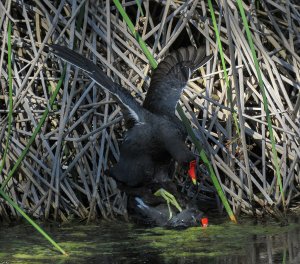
(160, 215)
(155, 135)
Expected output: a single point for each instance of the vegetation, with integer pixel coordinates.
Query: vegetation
(60, 133)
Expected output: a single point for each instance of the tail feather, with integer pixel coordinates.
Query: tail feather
(140, 203)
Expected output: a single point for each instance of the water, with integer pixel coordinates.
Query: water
(119, 242)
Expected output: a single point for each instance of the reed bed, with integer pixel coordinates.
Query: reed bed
(62, 172)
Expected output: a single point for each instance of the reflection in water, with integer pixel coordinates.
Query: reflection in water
(125, 243)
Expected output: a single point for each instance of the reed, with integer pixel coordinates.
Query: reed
(182, 115)
(62, 175)
(10, 98)
(7, 198)
(265, 100)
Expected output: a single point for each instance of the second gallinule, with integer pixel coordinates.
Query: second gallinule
(160, 215)
(155, 135)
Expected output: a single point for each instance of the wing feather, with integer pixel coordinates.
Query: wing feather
(171, 77)
(132, 111)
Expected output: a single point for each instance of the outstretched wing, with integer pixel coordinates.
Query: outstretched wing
(171, 77)
(132, 111)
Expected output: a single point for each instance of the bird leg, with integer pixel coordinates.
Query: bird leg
(169, 199)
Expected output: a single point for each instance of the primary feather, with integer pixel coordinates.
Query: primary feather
(171, 77)
(156, 134)
(132, 111)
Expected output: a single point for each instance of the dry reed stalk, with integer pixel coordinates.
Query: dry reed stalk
(63, 173)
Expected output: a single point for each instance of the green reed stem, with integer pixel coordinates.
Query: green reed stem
(35, 132)
(265, 101)
(10, 174)
(36, 226)
(229, 89)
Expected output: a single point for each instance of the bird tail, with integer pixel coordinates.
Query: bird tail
(140, 204)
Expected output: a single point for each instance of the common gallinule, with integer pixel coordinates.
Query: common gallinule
(160, 215)
(155, 135)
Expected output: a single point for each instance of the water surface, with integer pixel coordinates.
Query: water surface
(120, 242)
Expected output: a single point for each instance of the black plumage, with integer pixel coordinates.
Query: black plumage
(160, 215)
(155, 135)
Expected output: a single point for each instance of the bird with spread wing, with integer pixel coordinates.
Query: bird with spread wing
(155, 135)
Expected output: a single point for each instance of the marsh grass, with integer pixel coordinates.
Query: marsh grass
(2, 193)
(63, 173)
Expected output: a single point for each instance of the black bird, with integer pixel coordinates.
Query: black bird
(160, 216)
(155, 135)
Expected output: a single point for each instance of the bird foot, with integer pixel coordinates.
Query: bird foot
(170, 198)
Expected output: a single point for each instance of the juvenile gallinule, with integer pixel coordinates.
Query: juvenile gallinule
(155, 135)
